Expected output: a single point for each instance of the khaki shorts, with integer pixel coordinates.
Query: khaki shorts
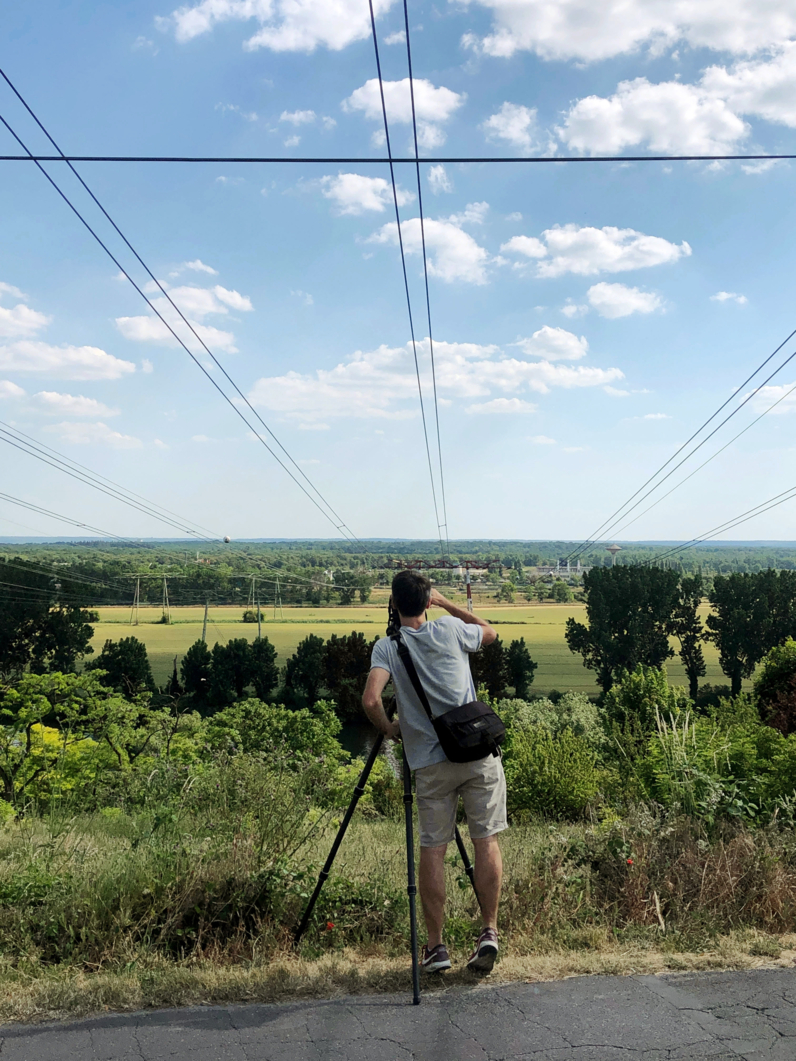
(482, 786)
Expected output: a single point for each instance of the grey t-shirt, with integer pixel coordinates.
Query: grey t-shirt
(439, 652)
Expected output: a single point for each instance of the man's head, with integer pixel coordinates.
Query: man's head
(410, 593)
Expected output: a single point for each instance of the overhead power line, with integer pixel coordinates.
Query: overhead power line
(332, 160)
(321, 504)
(425, 274)
(623, 511)
(744, 517)
(64, 519)
(406, 279)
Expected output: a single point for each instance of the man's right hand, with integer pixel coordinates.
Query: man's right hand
(436, 600)
(393, 731)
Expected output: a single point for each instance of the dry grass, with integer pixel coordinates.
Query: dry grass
(39, 994)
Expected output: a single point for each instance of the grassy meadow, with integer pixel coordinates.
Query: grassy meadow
(542, 626)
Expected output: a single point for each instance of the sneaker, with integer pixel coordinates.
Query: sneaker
(436, 959)
(483, 957)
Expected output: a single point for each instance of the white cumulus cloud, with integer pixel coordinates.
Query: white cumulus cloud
(515, 124)
(197, 266)
(573, 29)
(21, 322)
(434, 106)
(502, 406)
(85, 434)
(381, 384)
(62, 362)
(355, 194)
(285, 25)
(196, 303)
(542, 440)
(729, 296)
(765, 397)
(585, 251)
(10, 390)
(453, 254)
(298, 117)
(617, 300)
(71, 405)
(554, 344)
(668, 118)
(438, 179)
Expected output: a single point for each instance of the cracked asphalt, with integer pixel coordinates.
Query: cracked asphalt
(658, 1018)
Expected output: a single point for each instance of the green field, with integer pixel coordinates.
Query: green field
(542, 626)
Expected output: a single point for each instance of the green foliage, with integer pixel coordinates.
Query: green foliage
(557, 777)
(251, 726)
(346, 664)
(36, 631)
(562, 593)
(195, 670)
(304, 671)
(520, 667)
(630, 611)
(264, 672)
(775, 687)
(490, 667)
(572, 711)
(230, 671)
(687, 628)
(506, 593)
(126, 666)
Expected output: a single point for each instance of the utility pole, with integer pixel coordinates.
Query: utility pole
(278, 598)
(134, 609)
(469, 589)
(166, 609)
(259, 618)
(204, 625)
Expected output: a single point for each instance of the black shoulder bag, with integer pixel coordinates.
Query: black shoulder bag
(466, 733)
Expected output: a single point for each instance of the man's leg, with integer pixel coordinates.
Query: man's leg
(432, 891)
(488, 878)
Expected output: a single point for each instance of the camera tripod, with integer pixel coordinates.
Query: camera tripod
(411, 888)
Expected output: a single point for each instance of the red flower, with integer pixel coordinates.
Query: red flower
(329, 925)
(630, 862)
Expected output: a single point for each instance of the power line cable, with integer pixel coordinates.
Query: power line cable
(87, 476)
(371, 161)
(334, 518)
(60, 465)
(623, 509)
(699, 467)
(64, 519)
(40, 446)
(744, 517)
(425, 277)
(406, 279)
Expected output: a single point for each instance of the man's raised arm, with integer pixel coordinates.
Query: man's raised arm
(438, 601)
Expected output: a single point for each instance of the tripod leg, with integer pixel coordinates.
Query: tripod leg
(468, 866)
(411, 888)
(358, 790)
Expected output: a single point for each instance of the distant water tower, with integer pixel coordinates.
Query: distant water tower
(613, 550)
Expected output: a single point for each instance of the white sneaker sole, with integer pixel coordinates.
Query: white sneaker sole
(436, 967)
(484, 961)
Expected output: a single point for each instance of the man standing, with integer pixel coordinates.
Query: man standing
(439, 650)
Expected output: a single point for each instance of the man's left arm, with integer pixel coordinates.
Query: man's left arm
(374, 708)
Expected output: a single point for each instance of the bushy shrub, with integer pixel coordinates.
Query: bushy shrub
(272, 729)
(556, 776)
(573, 711)
(775, 687)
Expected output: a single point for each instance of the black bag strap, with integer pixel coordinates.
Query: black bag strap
(408, 662)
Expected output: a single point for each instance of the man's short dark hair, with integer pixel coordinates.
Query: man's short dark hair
(410, 593)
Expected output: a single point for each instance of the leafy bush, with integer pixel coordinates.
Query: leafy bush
(272, 729)
(574, 711)
(775, 687)
(553, 776)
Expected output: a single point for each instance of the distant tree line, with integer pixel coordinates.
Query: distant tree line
(634, 613)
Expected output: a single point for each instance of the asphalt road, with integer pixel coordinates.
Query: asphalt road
(707, 1015)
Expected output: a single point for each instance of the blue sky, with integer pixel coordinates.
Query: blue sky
(586, 318)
